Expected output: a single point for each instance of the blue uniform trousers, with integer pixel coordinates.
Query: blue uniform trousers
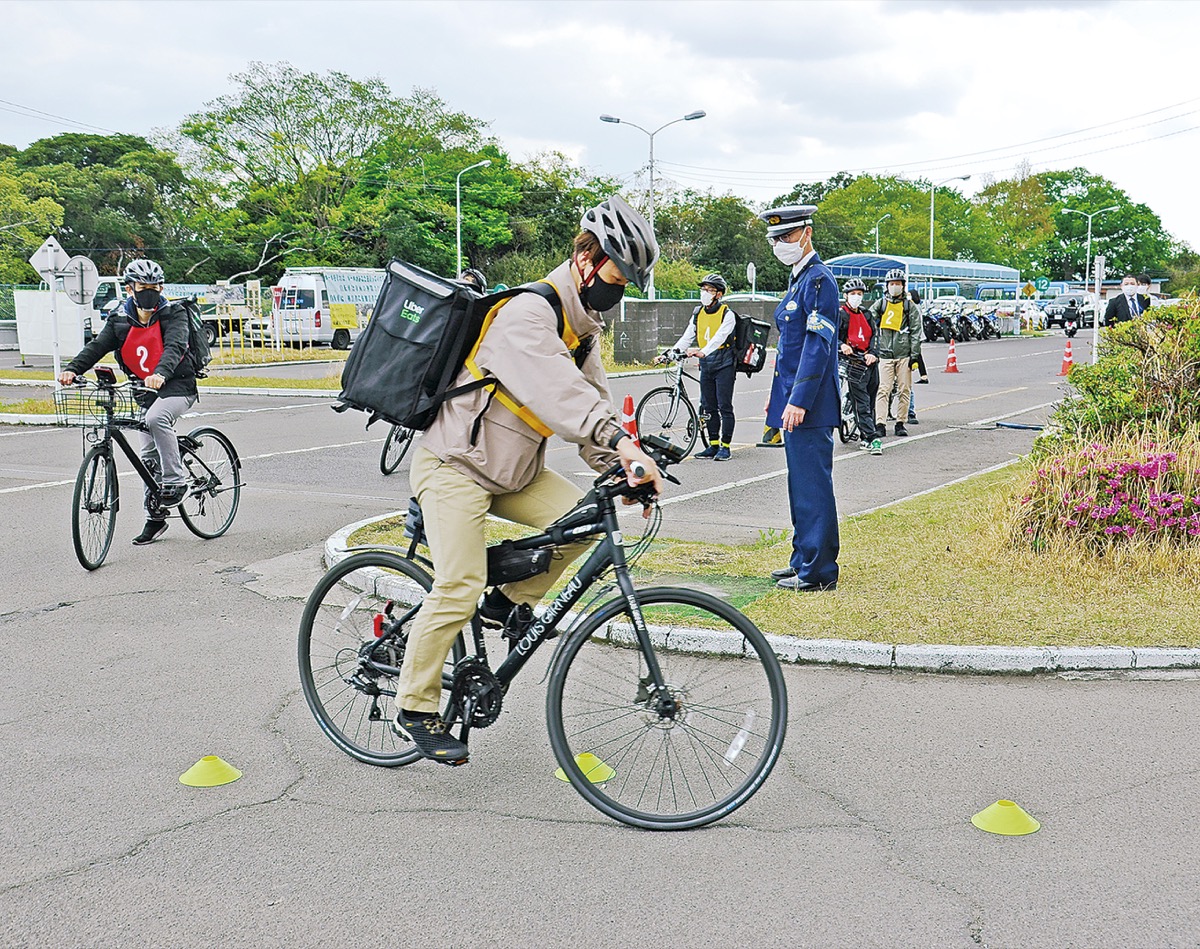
(815, 542)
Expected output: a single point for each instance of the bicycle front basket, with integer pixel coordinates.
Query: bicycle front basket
(88, 407)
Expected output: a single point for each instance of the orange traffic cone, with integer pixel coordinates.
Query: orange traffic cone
(951, 359)
(628, 422)
(1067, 361)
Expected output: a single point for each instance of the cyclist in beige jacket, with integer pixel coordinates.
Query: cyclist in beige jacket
(486, 450)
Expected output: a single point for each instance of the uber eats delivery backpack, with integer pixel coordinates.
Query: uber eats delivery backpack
(403, 366)
(749, 342)
(197, 347)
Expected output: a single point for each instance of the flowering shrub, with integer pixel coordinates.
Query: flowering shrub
(1148, 374)
(1102, 494)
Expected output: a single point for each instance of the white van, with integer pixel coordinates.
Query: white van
(323, 305)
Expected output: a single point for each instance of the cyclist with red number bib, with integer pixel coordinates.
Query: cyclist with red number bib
(149, 337)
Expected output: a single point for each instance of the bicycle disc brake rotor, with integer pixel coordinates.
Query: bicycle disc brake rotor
(653, 715)
(474, 682)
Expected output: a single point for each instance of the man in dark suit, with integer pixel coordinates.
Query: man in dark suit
(1125, 305)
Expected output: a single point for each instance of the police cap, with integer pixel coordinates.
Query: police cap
(784, 220)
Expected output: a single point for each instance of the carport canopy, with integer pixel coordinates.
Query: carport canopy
(876, 266)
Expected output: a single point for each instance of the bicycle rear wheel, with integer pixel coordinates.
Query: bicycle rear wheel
(681, 759)
(213, 483)
(395, 447)
(352, 639)
(668, 413)
(94, 507)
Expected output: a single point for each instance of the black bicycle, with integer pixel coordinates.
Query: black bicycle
(104, 410)
(667, 411)
(395, 447)
(666, 706)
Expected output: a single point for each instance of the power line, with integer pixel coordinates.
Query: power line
(30, 112)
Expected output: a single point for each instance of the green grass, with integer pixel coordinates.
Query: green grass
(330, 383)
(235, 355)
(939, 569)
(28, 407)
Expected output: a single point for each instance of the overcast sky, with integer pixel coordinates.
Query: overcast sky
(793, 91)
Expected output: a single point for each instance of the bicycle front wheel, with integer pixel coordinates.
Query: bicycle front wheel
(668, 413)
(94, 507)
(213, 482)
(395, 447)
(352, 640)
(672, 759)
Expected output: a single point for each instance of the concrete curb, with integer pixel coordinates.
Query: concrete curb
(984, 660)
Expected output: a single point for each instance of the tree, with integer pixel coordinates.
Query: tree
(81, 149)
(1131, 238)
(28, 213)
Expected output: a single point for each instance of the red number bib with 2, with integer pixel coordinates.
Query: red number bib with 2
(142, 349)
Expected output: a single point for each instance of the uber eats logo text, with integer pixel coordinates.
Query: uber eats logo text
(412, 311)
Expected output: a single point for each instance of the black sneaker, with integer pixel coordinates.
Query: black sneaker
(429, 733)
(151, 532)
(171, 495)
(511, 619)
(901, 431)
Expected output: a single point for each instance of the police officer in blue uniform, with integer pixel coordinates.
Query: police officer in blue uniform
(805, 401)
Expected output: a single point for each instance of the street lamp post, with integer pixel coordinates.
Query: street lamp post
(932, 188)
(698, 114)
(1087, 266)
(458, 210)
(876, 230)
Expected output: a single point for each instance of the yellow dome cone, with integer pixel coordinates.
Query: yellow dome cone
(209, 772)
(595, 770)
(1007, 818)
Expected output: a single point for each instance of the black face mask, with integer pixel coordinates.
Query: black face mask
(147, 299)
(599, 295)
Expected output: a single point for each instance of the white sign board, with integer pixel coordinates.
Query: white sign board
(35, 331)
(80, 279)
(360, 288)
(48, 259)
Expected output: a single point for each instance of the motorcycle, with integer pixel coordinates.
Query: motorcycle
(967, 327)
(987, 326)
(1071, 325)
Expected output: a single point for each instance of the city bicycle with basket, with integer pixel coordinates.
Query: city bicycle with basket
(667, 411)
(666, 707)
(104, 410)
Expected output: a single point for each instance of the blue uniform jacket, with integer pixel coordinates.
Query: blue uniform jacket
(806, 365)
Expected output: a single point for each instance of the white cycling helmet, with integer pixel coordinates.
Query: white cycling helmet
(144, 270)
(625, 237)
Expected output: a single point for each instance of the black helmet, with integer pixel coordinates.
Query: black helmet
(471, 275)
(715, 280)
(625, 237)
(896, 273)
(144, 270)
(854, 283)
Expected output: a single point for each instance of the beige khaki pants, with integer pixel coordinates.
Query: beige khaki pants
(455, 509)
(889, 371)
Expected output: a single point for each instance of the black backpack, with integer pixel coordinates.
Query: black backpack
(403, 365)
(749, 342)
(198, 353)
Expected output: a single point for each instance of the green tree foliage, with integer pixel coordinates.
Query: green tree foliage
(1017, 223)
(1183, 271)
(28, 212)
(120, 196)
(1131, 238)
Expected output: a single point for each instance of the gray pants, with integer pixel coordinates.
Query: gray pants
(160, 445)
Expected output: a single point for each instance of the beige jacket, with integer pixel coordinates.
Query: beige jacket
(523, 350)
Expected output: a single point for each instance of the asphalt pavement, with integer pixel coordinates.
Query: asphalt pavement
(121, 679)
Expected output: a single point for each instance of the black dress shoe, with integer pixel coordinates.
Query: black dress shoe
(783, 573)
(803, 586)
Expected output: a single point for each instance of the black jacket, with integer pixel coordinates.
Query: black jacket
(173, 366)
(1118, 310)
(844, 328)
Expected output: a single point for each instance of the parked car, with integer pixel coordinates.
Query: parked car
(1081, 304)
